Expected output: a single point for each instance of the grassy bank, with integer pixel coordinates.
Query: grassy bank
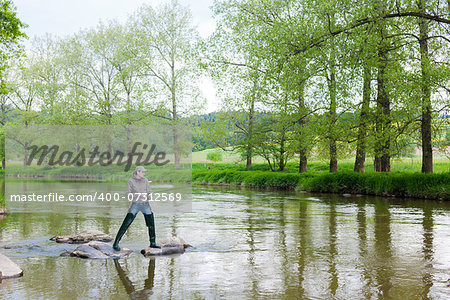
(110, 173)
(404, 182)
(417, 185)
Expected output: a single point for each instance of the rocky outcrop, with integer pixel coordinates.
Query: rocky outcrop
(97, 250)
(82, 237)
(168, 246)
(8, 268)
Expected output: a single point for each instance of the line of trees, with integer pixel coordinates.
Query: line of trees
(139, 72)
(333, 77)
(296, 78)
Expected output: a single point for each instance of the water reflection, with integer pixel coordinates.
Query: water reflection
(250, 228)
(130, 287)
(427, 224)
(247, 244)
(383, 252)
(363, 248)
(333, 249)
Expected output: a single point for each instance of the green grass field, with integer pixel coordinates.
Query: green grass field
(233, 161)
(404, 180)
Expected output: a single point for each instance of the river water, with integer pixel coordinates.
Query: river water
(246, 244)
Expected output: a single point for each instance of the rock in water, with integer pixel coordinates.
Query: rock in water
(170, 245)
(9, 269)
(96, 249)
(3, 211)
(83, 237)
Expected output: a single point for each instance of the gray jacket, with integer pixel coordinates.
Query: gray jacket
(136, 186)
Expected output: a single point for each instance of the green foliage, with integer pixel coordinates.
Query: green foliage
(10, 32)
(59, 231)
(430, 186)
(308, 75)
(214, 156)
(417, 185)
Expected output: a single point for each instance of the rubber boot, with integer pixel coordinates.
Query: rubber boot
(125, 224)
(150, 222)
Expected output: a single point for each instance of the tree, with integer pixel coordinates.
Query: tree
(214, 156)
(165, 46)
(326, 33)
(10, 33)
(88, 59)
(10, 36)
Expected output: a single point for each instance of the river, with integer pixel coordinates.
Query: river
(247, 244)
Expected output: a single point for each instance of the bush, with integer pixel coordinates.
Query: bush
(214, 156)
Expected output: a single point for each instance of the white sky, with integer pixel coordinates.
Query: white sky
(64, 17)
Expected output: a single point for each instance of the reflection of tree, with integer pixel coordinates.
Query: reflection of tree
(128, 284)
(427, 249)
(303, 234)
(283, 247)
(362, 237)
(333, 249)
(174, 226)
(383, 248)
(251, 241)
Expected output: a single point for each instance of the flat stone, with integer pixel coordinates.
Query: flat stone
(17, 246)
(3, 211)
(65, 253)
(8, 268)
(347, 195)
(83, 237)
(171, 245)
(97, 250)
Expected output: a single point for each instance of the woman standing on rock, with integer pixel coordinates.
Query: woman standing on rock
(138, 189)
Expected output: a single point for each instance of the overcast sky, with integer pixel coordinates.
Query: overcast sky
(64, 17)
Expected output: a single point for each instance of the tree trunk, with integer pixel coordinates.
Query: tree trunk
(333, 148)
(427, 147)
(303, 168)
(176, 150)
(249, 151)
(363, 121)
(281, 164)
(303, 165)
(332, 90)
(25, 154)
(25, 150)
(383, 123)
(127, 129)
(249, 159)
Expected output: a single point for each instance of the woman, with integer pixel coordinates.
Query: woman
(138, 189)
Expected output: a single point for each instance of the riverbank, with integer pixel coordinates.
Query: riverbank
(416, 185)
(398, 183)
